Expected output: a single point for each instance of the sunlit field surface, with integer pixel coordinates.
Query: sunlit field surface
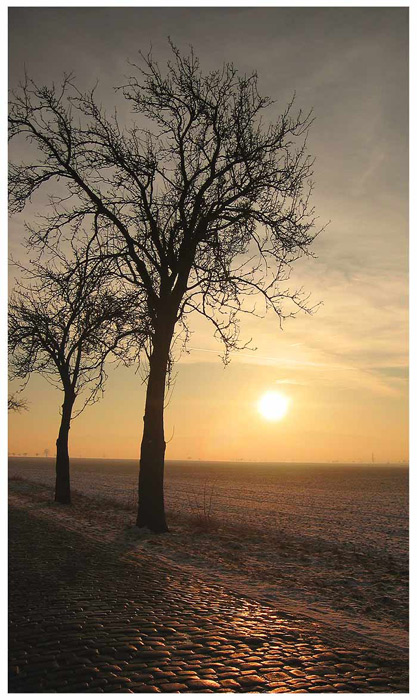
(364, 505)
(331, 539)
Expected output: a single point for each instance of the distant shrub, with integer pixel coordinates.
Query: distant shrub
(201, 508)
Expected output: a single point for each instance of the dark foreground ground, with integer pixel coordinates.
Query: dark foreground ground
(328, 542)
(90, 615)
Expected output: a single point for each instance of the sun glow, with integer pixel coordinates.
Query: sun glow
(273, 405)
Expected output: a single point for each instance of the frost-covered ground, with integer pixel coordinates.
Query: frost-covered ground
(328, 540)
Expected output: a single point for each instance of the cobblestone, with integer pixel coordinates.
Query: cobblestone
(90, 616)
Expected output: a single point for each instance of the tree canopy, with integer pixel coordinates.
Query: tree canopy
(203, 204)
(66, 319)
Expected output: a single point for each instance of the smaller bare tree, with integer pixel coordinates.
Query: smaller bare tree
(15, 404)
(65, 320)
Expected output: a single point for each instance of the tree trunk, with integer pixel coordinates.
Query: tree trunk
(62, 483)
(151, 510)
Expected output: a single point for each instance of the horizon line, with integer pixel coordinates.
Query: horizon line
(403, 462)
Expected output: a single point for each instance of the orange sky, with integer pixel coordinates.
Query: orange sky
(344, 368)
(338, 411)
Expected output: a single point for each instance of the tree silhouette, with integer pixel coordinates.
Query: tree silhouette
(64, 321)
(15, 404)
(204, 206)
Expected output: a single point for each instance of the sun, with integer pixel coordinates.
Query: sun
(273, 405)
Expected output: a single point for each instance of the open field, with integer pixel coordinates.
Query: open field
(329, 541)
(360, 505)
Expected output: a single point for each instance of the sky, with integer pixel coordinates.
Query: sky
(344, 369)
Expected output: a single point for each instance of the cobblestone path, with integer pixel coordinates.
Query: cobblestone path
(86, 616)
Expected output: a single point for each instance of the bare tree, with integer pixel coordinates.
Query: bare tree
(16, 404)
(65, 319)
(205, 206)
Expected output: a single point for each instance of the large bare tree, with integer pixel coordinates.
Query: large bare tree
(205, 205)
(65, 320)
